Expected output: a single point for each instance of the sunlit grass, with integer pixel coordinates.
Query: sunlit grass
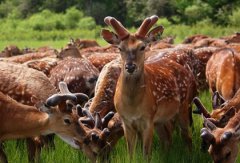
(177, 153)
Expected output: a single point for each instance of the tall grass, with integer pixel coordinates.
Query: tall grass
(177, 153)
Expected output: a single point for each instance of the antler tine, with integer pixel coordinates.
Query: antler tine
(146, 26)
(121, 31)
(143, 29)
(63, 88)
(98, 121)
(107, 20)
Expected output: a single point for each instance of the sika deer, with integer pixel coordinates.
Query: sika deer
(223, 72)
(223, 141)
(79, 74)
(21, 121)
(149, 94)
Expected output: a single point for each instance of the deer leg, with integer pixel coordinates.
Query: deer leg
(34, 146)
(184, 121)
(48, 141)
(164, 132)
(130, 135)
(3, 157)
(147, 141)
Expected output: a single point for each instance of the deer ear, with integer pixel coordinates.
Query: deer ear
(208, 124)
(155, 33)
(229, 114)
(110, 37)
(217, 100)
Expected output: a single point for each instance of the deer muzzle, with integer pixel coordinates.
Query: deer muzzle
(130, 67)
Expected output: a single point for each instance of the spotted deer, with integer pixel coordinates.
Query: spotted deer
(103, 101)
(203, 54)
(84, 43)
(223, 72)
(22, 121)
(149, 94)
(30, 56)
(222, 111)
(223, 141)
(79, 74)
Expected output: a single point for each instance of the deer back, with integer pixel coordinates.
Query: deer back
(79, 74)
(225, 61)
(22, 83)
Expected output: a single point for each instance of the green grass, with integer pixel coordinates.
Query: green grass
(58, 44)
(63, 152)
(177, 153)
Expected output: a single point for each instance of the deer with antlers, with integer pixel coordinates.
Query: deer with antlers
(21, 121)
(149, 94)
(59, 115)
(222, 111)
(223, 141)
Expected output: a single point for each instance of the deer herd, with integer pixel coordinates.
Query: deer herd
(91, 96)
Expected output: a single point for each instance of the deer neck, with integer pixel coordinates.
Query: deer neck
(234, 123)
(132, 84)
(25, 122)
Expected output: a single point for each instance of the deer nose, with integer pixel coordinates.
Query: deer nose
(130, 67)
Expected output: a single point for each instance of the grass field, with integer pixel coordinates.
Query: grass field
(63, 152)
(178, 153)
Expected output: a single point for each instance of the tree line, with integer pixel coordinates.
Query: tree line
(130, 12)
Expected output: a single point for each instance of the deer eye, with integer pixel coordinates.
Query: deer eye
(142, 48)
(228, 155)
(120, 49)
(67, 121)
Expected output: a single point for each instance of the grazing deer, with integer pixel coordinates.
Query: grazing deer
(235, 38)
(70, 50)
(31, 56)
(83, 43)
(22, 83)
(222, 110)
(203, 55)
(11, 50)
(103, 102)
(194, 38)
(105, 88)
(223, 72)
(150, 93)
(223, 141)
(221, 113)
(22, 121)
(79, 74)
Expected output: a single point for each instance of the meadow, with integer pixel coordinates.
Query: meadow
(177, 153)
(24, 37)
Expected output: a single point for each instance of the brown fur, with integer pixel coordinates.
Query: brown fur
(79, 74)
(141, 98)
(225, 61)
(225, 150)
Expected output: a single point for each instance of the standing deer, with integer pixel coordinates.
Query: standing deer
(149, 94)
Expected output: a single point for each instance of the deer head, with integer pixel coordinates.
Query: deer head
(223, 110)
(132, 46)
(223, 141)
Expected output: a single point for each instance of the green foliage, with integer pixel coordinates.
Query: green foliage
(87, 23)
(197, 12)
(72, 18)
(164, 22)
(129, 12)
(234, 18)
